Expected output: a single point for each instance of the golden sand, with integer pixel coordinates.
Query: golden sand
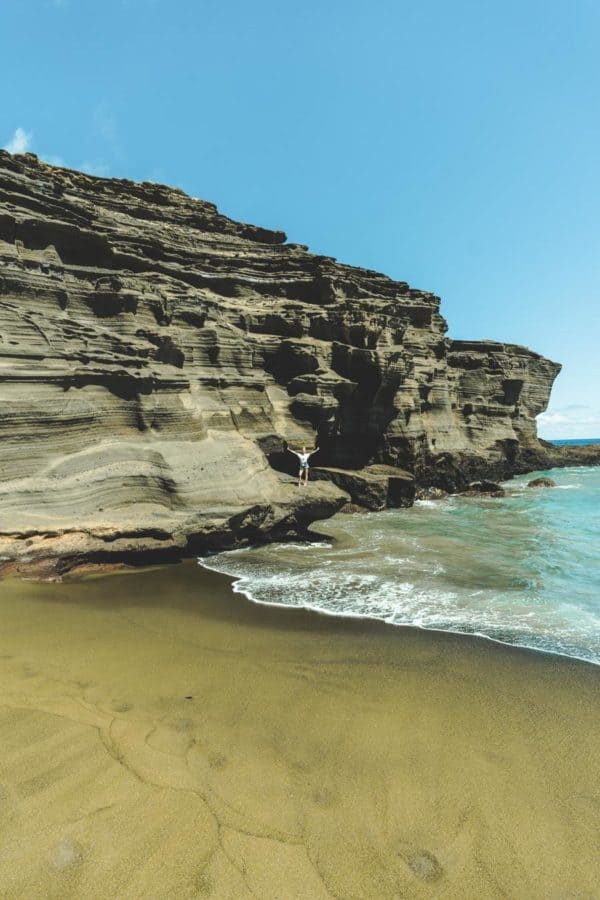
(161, 737)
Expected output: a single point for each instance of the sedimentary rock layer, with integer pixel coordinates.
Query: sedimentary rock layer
(155, 356)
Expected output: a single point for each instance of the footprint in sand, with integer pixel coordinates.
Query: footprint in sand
(425, 866)
(324, 797)
(217, 760)
(121, 707)
(183, 724)
(66, 855)
(422, 863)
(204, 884)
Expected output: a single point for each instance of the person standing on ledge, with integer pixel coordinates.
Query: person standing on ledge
(303, 457)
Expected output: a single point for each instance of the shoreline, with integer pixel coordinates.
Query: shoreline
(331, 540)
(307, 618)
(86, 571)
(361, 617)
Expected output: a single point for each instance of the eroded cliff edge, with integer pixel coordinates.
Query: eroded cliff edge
(155, 355)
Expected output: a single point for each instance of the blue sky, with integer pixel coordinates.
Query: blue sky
(451, 144)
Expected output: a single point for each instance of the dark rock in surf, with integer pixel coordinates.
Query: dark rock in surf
(351, 508)
(484, 489)
(541, 482)
(430, 493)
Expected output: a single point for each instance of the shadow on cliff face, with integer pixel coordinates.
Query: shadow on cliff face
(74, 245)
(345, 451)
(348, 400)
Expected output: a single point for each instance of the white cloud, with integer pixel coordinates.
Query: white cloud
(574, 421)
(20, 142)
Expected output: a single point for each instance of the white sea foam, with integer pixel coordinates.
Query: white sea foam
(524, 571)
(303, 545)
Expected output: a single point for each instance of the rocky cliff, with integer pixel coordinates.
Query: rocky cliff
(155, 356)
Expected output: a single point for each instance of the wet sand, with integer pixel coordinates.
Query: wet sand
(161, 737)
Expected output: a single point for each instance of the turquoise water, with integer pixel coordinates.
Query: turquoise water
(524, 569)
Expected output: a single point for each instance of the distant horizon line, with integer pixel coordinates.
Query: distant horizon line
(555, 440)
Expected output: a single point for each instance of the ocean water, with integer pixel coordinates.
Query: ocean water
(524, 569)
(575, 442)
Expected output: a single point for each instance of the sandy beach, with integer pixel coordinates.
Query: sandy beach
(162, 737)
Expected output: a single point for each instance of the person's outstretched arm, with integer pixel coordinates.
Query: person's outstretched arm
(316, 450)
(295, 452)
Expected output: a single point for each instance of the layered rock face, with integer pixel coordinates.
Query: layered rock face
(155, 356)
